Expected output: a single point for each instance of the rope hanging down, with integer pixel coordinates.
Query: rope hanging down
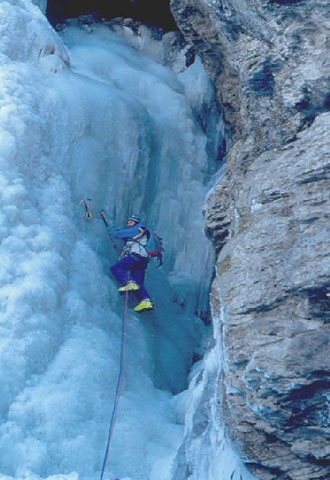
(118, 388)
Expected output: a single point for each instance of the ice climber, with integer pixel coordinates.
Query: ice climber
(131, 266)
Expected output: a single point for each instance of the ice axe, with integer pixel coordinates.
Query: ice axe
(88, 214)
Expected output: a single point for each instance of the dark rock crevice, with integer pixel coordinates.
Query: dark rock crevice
(153, 13)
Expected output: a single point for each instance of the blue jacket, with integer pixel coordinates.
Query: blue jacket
(135, 243)
(129, 232)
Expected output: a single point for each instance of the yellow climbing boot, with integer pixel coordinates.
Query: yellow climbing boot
(130, 286)
(144, 305)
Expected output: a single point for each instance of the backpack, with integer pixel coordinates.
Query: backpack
(154, 246)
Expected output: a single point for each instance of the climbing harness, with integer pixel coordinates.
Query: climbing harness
(119, 386)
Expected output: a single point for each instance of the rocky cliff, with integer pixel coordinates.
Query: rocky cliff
(268, 219)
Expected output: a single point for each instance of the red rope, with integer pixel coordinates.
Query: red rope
(119, 385)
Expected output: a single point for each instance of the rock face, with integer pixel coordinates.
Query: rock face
(268, 60)
(273, 282)
(268, 219)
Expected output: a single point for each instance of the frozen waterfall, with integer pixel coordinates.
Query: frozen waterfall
(89, 116)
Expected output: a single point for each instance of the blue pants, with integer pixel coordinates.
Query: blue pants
(132, 267)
